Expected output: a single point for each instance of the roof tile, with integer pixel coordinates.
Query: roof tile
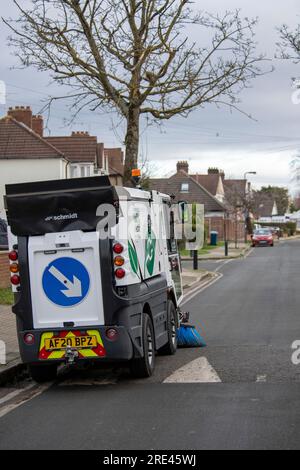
(18, 141)
(197, 193)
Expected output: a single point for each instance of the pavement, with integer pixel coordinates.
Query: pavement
(248, 400)
(9, 336)
(219, 252)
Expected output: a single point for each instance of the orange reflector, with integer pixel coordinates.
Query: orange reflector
(119, 261)
(136, 172)
(14, 268)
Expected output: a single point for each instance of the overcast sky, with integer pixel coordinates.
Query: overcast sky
(210, 136)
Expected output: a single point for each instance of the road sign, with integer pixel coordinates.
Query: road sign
(66, 282)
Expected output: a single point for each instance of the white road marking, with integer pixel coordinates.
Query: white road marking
(223, 264)
(249, 253)
(197, 371)
(40, 389)
(14, 394)
(198, 290)
(261, 378)
(195, 291)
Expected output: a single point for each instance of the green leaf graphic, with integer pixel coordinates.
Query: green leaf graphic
(150, 253)
(133, 259)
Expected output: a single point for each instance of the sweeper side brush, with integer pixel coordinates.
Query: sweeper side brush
(187, 335)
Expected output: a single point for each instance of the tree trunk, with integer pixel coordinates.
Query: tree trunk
(131, 143)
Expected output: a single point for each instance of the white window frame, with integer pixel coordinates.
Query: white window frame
(81, 170)
(187, 186)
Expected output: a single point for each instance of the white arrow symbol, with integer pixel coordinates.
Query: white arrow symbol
(73, 289)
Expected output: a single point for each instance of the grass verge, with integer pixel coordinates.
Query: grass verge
(6, 296)
(204, 251)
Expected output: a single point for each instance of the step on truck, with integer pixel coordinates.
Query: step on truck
(95, 273)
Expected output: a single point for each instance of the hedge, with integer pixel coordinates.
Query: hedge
(287, 227)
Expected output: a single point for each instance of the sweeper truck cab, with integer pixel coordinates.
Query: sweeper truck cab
(95, 273)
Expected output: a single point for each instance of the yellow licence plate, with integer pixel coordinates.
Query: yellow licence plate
(81, 342)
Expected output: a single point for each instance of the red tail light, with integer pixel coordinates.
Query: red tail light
(120, 273)
(13, 255)
(15, 280)
(29, 339)
(118, 248)
(112, 334)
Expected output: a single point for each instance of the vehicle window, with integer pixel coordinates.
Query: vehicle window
(3, 226)
(262, 232)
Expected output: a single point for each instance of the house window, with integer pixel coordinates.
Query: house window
(81, 171)
(185, 187)
(73, 171)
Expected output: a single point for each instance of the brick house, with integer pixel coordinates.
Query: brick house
(213, 182)
(187, 189)
(265, 207)
(236, 190)
(191, 188)
(26, 154)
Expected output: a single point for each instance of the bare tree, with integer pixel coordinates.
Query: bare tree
(289, 48)
(136, 57)
(240, 205)
(289, 45)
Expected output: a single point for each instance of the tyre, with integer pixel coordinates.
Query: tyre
(43, 373)
(170, 348)
(143, 367)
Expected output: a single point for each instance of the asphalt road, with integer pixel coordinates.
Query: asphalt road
(250, 317)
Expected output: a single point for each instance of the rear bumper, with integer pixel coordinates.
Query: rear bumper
(262, 243)
(118, 350)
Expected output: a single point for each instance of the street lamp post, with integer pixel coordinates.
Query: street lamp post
(246, 210)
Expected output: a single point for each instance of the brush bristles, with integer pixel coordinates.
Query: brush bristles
(188, 336)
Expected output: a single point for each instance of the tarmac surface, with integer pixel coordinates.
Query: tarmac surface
(240, 392)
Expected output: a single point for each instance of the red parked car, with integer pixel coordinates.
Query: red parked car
(262, 237)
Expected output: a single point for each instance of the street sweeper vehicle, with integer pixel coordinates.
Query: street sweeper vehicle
(96, 274)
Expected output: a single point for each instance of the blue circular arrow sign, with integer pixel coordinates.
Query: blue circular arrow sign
(66, 282)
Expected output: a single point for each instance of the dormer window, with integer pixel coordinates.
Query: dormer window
(185, 187)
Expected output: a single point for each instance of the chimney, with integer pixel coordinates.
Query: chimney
(21, 114)
(38, 125)
(183, 166)
(213, 171)
(80, 134)
(100, 155)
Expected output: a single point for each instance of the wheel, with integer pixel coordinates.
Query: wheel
(43, 372)
(171, 346)
(143, 367)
